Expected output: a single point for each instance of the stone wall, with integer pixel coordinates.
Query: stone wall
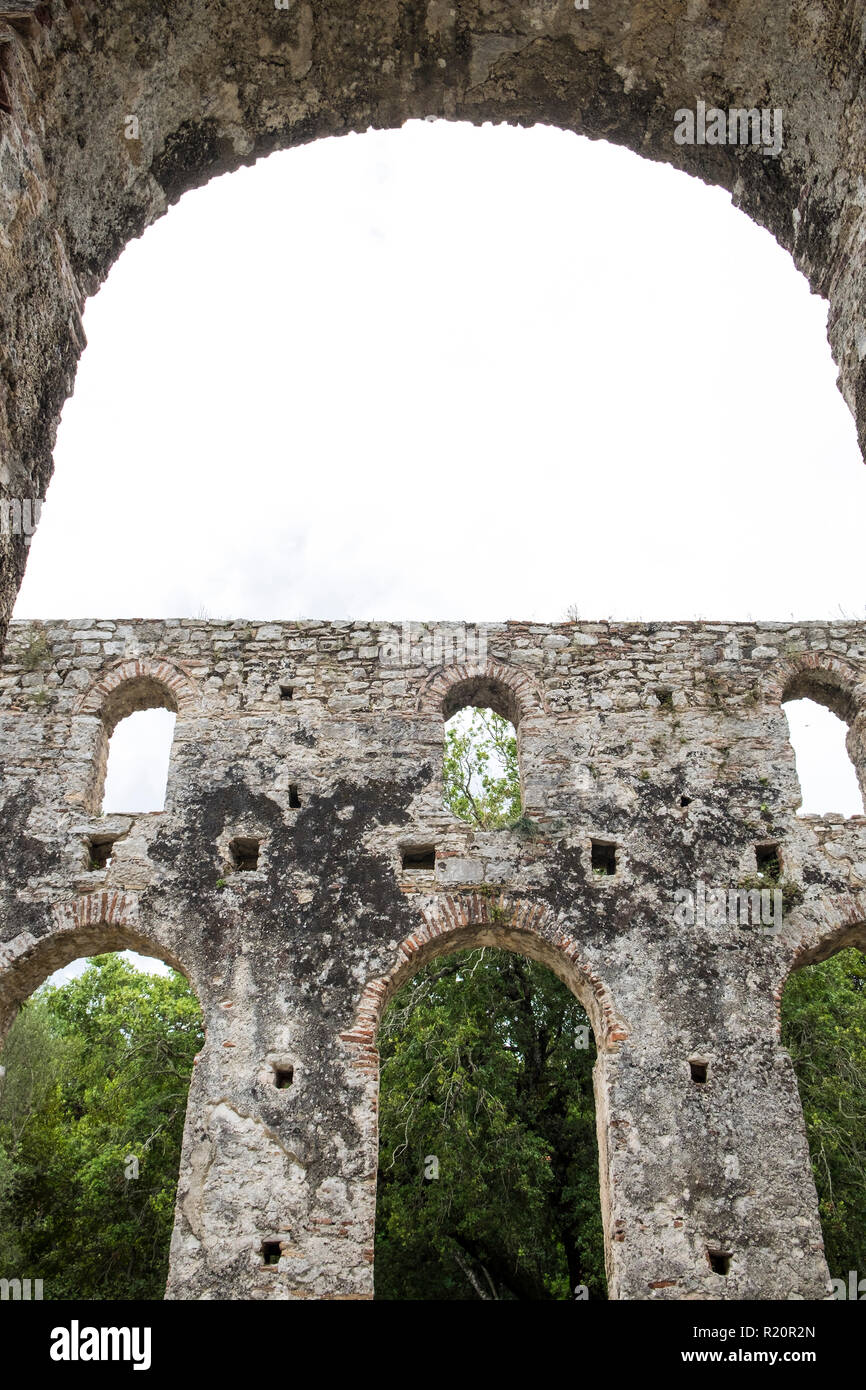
(322, 744)
(111, 109)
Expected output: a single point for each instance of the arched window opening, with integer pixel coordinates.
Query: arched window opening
(488, 1163)
(138, 758)
(828, 778)
(481, 774)
(93, 1095)
(824, 1029)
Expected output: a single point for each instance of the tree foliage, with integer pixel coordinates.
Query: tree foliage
(486, 1070)
(97, 1073)
(824, 1029)
(480, 772)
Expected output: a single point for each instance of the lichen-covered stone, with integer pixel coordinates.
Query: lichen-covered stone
(667, 745)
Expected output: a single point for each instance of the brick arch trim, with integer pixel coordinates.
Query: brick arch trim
(824, 676)
(448, 925)
(180, 691)
(522, 696)
(84, 926)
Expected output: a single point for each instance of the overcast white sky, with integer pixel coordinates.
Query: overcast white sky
(455, 373)
(452, 373)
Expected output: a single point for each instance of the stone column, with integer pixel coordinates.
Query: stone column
(710, 1184)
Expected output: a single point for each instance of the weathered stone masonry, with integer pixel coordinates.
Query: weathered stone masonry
(669, 743)
(292, 961)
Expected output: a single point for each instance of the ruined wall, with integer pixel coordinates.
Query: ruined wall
(323, 742)
(111, 109)
(108, 112)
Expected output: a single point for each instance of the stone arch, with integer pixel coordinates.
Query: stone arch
(462, 923)
(89, 925)
(834, 682)
(456, 923)
(826, 925)
(106, 120)
(489, 684)
(824, 677)
(137, 684)
(505, 689)
(128, 687)
(821, 927)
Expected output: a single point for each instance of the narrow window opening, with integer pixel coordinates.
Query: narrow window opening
(283, 1077)
(294, 799)
(271, 1251)
(244, 854)
(138, 759)
(480, 768)
(101, 849)
(699, 1072)
(769, 862)
(603, 859)
(419, 858)
(720, 1261)
(827, 776)
(287, 692)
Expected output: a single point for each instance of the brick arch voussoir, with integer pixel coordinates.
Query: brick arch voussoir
(443, 926)
(180, 689)
(88, 925)
(524, 690)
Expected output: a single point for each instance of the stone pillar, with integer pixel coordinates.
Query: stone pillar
(275, 1198)
(710, 1185)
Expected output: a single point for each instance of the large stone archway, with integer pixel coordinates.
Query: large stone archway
(530, 929)
(109, 111)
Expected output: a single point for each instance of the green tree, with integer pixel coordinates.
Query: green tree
(481, 776)
(120, 1046)
(33, 1060)
(488, 1177)
(824, 1029)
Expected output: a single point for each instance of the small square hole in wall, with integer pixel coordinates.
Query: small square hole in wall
(101, 850)
(769, 861)
(720, 1261)
(685, 801)
(245, 854)
(287, 692)
(294, 799)
(665, 699)
(418, 858)
(271, 1251)
(699, 1072)
(283, 1077)
(603, 859)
